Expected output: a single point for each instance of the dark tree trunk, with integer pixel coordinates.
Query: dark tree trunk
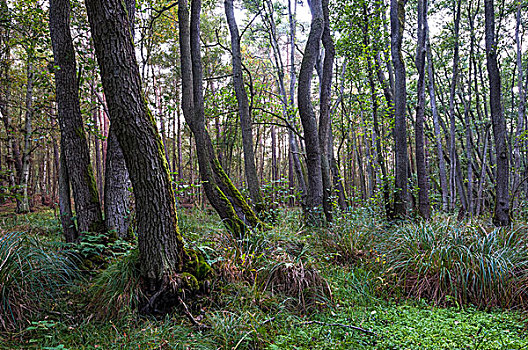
(162, 255)
(325, 121)
(306, 112)
(117, 197)
(452, 93)
(68, 225)
(421, 166)
(86, 197)
(501, 216)
(222, 194)
(400, 130)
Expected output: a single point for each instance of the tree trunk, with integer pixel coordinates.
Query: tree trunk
(86, 197)
(162, 256)
(501, 216)
(421, 166)
(117, 197)
(520, 113)
(23, 179)
(309, 123)
(452, 92)
(222, 194)
(400, 130)
(68, 225)
(243, 110)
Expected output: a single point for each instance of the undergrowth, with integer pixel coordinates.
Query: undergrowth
(298, 288)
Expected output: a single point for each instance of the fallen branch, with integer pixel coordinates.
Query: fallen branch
(193, 320)
(340, 325)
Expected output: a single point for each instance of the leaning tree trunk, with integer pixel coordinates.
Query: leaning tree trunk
(162, 256)
(311, 138)
(397, 19)
(220, 191)
(77, 154)
(117, 196)
(501, 216)
(325, 122)
(243, 110)
(421, 168)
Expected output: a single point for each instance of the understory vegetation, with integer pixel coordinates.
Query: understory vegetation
(361, 283)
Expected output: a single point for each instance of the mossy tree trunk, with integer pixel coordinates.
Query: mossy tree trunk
(164, 262)
(77, 154)
(243, 110)
(220, 191)
(68, 225)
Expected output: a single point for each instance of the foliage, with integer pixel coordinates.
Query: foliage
(32, 277)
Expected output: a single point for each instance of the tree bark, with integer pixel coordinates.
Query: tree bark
(86, 197)
(117, 197)
(501, 216)
(162, 256)
(311, 138)
(521, 111)
(69, 230)
(397, 19)
(421, 165)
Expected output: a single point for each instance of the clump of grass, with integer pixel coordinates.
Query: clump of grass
(444, 262)
(117, 290)
(31, 278)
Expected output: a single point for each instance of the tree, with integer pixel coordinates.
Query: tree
(421, 166)
(307, 114)
(243, 110)
(166, 267)
(501, 215)
(76, 152)
(397, 19)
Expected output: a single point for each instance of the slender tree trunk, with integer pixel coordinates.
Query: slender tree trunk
(501, 216)
(68, 225)
(452, 94)
(243, 110)
(23, 181)
(86, 197)
(222, 194)
(400, 129)
(421, 165)
(306, 112)
(521, 111)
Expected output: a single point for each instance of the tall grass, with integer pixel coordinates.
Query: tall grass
(448, 262)
(31, 277)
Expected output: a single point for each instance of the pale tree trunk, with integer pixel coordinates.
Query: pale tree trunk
(400, 130)
(85, 194)
(243, 110)
(421, 165)
(23, 180)
(162, 256)
(501, 215)
(308, 120)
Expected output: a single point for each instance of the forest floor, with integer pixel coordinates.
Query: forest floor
(288, 288)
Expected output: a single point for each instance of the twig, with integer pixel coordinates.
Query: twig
(340, 325)
(193, 320)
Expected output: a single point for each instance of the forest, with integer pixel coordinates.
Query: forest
(263, 174)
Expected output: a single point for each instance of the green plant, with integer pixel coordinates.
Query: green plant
(32, 277)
